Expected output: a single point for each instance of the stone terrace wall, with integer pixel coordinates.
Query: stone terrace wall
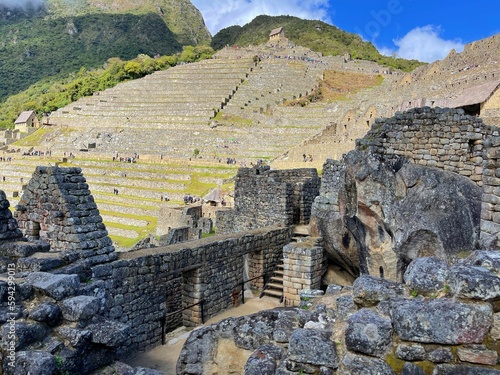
(436, 137)
(145, 285)
(266, 197)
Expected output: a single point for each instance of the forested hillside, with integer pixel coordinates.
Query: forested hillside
(316, 35)
(55, 37)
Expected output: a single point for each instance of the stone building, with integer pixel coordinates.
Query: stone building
(277, 34)
(266, 197)
(57, 208)
(27, 122)
(481, 100)
(179, 224)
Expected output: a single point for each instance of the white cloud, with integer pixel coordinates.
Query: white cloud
(424, 44)
(219, 14)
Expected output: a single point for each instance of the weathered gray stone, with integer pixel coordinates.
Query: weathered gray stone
(357, 364)
(75, 336)
(25, 334)
(489, 259)
(474, 282)
(495, 329)
(313, 347)
(345, 306)
(146, 371)
(255, 330)
(411, 369)
(35, 362)
(368, 333)
(370, 290)
(109, 333)
(440, 355)
(398, 209)
(287, 321)
(449, 369)
(80, 308)
(47, 312)
(426, 275)
(263, 361)
(408, 352)
(55, 286)
(442, 321)
(199, 349)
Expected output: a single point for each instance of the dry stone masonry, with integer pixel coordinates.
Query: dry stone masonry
(375, 327)
(266, 197)
(58, 208)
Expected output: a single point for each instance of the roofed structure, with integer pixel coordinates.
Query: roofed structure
(277, 34)
(26, 120)
(474, 99)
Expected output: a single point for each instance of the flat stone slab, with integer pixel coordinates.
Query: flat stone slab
(109, 333)
(53, 285)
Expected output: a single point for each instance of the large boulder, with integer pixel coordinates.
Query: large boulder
(441, 321)
(388, 213)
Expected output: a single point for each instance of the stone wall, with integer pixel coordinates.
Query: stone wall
(435, 137)
(146, 285)
(266, 197)
(58, 208)
(303, 267)
(490, 208)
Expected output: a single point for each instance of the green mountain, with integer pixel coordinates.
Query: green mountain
(57, 37)
(316, 35)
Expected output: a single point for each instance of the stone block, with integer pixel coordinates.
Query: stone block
(109, 333)
(35, 362)
(364, 365)
(408, 352)
(441, 321)
(80, 308)
(474, 282)
(369, 290)
(314, 347)
(367, 332)
(478, 354)
(461, 369)
(53, 285)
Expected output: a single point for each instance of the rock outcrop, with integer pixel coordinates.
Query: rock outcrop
(390, 213)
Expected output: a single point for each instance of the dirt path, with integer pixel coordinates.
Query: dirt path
(164, 357)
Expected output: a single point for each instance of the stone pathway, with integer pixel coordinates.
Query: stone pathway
(164, 357)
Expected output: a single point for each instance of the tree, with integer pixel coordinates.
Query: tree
(133, 69)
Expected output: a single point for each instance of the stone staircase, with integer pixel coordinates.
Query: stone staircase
(274, 287)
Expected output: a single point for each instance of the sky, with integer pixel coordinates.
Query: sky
(426, 30)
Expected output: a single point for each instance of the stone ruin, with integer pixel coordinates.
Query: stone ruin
(79, 305)
(407, 212)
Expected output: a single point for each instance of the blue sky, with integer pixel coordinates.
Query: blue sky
(422, 29)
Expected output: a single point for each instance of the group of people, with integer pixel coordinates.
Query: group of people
(37, 153)
(115, 191)
(3, 158)
(188, 199)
